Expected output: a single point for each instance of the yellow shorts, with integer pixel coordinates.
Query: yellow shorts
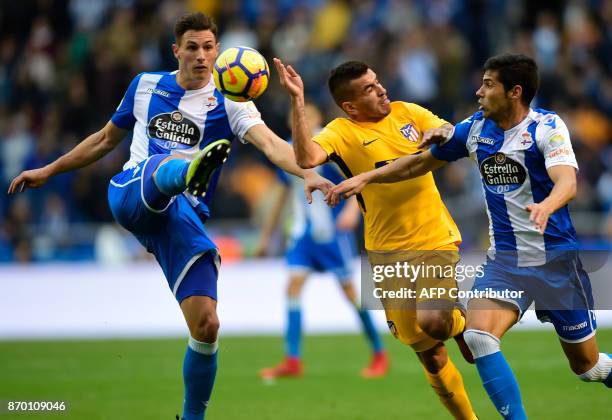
(407, 287)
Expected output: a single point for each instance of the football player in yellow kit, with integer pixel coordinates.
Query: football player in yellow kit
(405, 222)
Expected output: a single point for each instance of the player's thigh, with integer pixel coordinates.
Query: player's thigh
(134, 203)
(493, 316)
(436, 287)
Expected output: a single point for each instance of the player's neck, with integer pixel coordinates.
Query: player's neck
(188, 83)
(513, 118)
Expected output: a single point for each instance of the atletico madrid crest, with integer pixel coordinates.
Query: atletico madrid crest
(410, 132)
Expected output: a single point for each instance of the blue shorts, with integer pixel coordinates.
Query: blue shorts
(171, 228)
(336, 256)
(561, 290)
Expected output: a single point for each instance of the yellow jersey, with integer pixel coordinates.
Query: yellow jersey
(407, 215)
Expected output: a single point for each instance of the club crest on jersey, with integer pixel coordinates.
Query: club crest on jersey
(211, 102)
(526, 140)
(502, 174)
(174, 129)
(410, 132)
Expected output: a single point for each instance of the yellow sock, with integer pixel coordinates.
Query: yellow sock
(458, 323)
(448, 384)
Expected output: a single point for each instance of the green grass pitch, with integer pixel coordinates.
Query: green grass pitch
(141, 379)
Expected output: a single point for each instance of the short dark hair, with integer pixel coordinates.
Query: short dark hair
(341, 76)
(197, 21)
(516, 69)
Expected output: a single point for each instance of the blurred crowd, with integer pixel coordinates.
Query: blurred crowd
(65, 64)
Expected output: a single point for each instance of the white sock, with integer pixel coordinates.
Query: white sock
(203, 348)
(600, 371)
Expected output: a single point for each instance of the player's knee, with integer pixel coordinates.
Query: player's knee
(435, 323)
(294, 288)
(206, 328)
(481, 343)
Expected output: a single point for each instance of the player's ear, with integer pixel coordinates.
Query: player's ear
(348, 107)
(516, 92)
(218, 48)
(175, 49)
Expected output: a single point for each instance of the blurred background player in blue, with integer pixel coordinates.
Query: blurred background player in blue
(321, 240)
(179, 124)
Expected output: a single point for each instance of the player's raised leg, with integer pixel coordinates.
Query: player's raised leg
(197, 294)
(172, 175)
(487, 321)
(292, 365)
(379, 365)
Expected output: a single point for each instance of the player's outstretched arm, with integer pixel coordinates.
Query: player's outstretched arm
(564, 177)
(89, 150)
(406, 167)
(436, 136)
(307, 153)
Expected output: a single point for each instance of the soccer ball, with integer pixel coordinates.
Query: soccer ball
(241, 74)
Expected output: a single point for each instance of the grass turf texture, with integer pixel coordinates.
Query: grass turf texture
(141, 379)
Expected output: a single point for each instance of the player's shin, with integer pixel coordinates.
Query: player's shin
(199, 371)
(495, 374)
(293, 336)
(448, 385)
(170, 176)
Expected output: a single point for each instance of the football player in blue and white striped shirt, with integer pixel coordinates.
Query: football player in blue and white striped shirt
(528, 172)
(181, 125)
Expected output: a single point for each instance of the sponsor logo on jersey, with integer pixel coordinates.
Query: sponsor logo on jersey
(484, 140)
(502, 174)
(410, 132)
(556, 140)
(158, 92)
(174, 127)
(551, 122)
(370, 141)
(561, 151)
(575, 327)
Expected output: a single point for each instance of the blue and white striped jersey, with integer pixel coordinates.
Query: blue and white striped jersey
(316, 220)
(513, 168)
(167, 119)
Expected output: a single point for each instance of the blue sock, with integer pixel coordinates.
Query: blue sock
(199, 370)
(501, 385)
(293, 337)
(370, 331)
(170, 176)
